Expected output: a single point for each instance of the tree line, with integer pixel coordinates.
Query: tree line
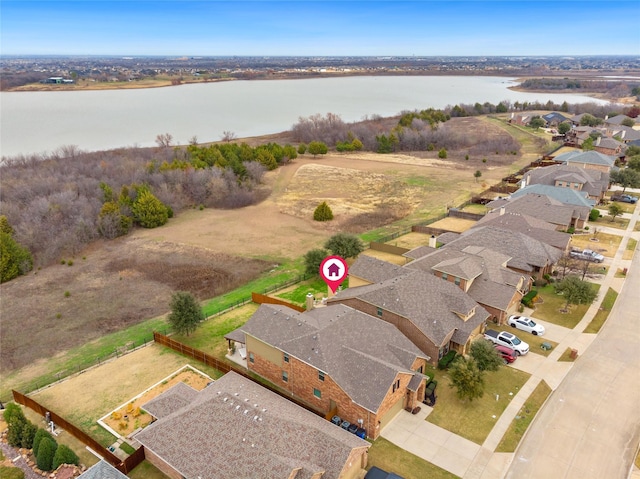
(54, 205)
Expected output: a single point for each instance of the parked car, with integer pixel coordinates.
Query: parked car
(526, 324)
(509, 340)
(625, 199)
(508, 355)
(377, 473)
(587, 254)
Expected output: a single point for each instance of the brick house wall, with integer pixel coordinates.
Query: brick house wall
(303, 380)
(165, 468)
(355, 463)
(406, 327)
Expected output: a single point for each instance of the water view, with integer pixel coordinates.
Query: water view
(37, 122)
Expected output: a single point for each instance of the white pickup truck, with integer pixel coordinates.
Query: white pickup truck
(509, 340)
(587, 254)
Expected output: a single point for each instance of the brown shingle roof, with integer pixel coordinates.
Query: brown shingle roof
(170, 401)
(361, 353)
(428, 302)
(534, 227)
(374, 270)
(236, 428)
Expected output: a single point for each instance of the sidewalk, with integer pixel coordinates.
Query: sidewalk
(472, 461)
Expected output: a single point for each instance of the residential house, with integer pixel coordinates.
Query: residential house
(623, 133)
(435, 315)
(617, 120)
(543, 207)
(566, 196)
(520, 119)
(236, 428)
(608, 146)
(527, 255)
(339, 360)
(102, 470)
(533, 227)
(482, 274)
(554, 118)
(594, 182)
(587, 159)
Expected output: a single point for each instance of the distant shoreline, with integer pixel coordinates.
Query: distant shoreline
(86, 85)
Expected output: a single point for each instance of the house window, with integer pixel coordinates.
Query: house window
(396, 386)
(320, 375)
(317, 393)
(420, 369)
(444, 276)
(252, 359)
(285, 376)
(379, 311)
(457, 281)
(286, 357)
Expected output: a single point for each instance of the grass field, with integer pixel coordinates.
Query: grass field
(474, 420)
(630, 249)
(603, 313)
(389, 457)
(606, 244)
(552, 304)
(521, 422)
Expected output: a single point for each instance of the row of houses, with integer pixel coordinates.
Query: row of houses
(363, 353)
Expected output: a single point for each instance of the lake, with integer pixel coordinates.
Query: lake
(38, 122)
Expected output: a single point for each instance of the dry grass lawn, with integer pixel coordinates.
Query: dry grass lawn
(457, 225)
(411, 240)
(85, 398)
(606, 244)
(388, 257)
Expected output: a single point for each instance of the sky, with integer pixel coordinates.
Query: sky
(323, 28)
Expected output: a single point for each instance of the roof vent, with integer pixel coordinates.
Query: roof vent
(315, 336)
(255, 418)
(255, 405)
(264, 409)
(238, 407)
(225, 399)
(299, 323)
(246, 400)
(246, 411)
(235, 394)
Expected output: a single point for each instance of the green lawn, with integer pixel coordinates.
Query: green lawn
(391, 458)
(534, 342)
(299, 294)
(146, 470)
(521, 422)
(552, 303)
(209, 336)
(474, 420)
(605, 220)
(603, 313)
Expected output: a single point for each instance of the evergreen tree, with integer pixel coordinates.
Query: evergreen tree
(185, 314)
(46, 451)
(40, 433)
(486, 355)
(148, 211)
(313, 259)
(318, 148)
(323, 212)
(28, 434)
(344, 245)
(64, 455)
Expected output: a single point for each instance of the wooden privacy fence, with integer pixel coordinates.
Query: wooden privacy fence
(465, 215)
(387, 248)
(226, 367)
(123, 466)
(262, 299)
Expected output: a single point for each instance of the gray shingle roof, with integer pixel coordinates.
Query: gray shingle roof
(419, 252)
(430, 303)
(595, 182)
(534, 227)
(361, 353)
(373, 269)
(236, 428)
(586, 157)
(566, 196)
(170, 401)
(525, 252)
(102, 470)
(542, 207)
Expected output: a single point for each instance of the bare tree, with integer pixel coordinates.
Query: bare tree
(164, 140)
(228, 136)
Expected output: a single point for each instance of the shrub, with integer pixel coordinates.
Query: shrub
(302, 149)
(64, 455)
(28, 434)
(446, 360)
(571, 230)
(40, 434)
(46, 451)
(70, 262)
(12, 410)
(528, 298)
(323, 212)
(594, 214)
(67, 294)
(442, 154)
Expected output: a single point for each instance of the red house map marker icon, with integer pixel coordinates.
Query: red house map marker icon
(333, 270)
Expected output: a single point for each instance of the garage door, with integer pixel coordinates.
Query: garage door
(395, 409)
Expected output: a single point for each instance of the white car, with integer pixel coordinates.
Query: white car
(526, 324)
